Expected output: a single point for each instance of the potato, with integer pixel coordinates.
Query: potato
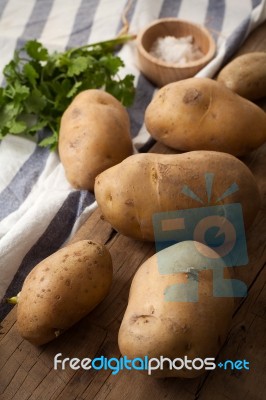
(246, 75)
(155, 325)
(62, 289)
(129, 193)
(202, 114)
(94, 135)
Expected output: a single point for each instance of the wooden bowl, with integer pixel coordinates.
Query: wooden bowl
(161, 72)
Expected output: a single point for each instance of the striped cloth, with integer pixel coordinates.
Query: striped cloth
(38, 208)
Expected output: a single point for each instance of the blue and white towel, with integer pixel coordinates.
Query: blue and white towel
(38, 208)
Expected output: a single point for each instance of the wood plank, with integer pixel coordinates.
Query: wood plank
(246, 341)
(26, 372)
(94, 228)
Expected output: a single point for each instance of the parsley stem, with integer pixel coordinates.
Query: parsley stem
(112, 43)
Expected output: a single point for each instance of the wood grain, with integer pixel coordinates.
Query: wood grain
(26, 372)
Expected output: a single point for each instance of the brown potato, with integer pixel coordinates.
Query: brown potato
(62, 289)
(202, 114)
(94, 135)
(246, 75)
(156, 325)
(130, 193)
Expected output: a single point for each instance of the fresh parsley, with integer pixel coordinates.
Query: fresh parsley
(39, 86)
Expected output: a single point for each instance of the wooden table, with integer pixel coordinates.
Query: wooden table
(26, 372)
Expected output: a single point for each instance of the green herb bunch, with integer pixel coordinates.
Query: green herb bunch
(39, 86)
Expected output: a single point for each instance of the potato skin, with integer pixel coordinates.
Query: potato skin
(154, 327)
(246, 75)
(94, 135)
(62, 289)
(202, 114)
(129, 193)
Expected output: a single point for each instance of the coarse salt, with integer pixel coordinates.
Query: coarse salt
(174, 50)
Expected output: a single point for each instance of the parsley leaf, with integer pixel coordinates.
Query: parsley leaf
(17, 127)
(77, 66)
(30, 73)
(36, 50)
